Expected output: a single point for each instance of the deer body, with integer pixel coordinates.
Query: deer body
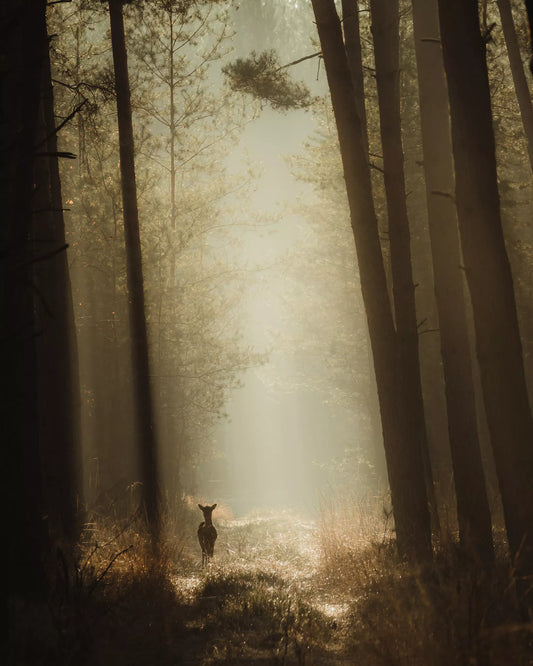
(207, 534)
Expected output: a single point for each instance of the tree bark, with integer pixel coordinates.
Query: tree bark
(475, 528)
(488, 272)
(352, 42)
(519, 76)
(404, 463)
(59, 396)
(385, 30)
(21, 26)
(140, 361)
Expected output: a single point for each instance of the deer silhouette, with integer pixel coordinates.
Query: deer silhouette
(207, 534)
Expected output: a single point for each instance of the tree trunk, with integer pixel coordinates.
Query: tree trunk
(475, 528)
(386, 34)
(352, 42)
(519, 76)
(404, 461)
(21, 26)
(488, 272)
(140, 363)
(59, 397)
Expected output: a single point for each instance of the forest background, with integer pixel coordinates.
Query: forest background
(254, 354)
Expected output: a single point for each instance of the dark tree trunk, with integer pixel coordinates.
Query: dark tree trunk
(21, 26)
(386, 34)
(472, 503)
(141, 372)
(488, 272)
(404, 463)
(59, 398)
(519, 76)
(352, 42)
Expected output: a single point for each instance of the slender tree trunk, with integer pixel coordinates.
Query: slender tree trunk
(488, 272)
(352, 42)
(172, 127)
(59, 396)
(21, 31)
(140, 363)
(404, 461)
(472, 503)
(386, 34)
(519, 76)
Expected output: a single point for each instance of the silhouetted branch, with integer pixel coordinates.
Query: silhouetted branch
(62, 124)
(66, 155)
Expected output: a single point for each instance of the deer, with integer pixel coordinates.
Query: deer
(207, 534)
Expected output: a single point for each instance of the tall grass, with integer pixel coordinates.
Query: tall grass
(279, 591)
(453, 612)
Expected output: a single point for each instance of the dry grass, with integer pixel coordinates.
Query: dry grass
(454, 613)
(279, 591)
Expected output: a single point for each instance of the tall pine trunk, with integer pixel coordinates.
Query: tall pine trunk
(59, 396)
(352, 42)
(404, 462)
(386, 34)
(21, 30)
(488, 272)
(475, 529)
(140, 362)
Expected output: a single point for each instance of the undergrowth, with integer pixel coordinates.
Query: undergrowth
(279, 591)
(450, 613)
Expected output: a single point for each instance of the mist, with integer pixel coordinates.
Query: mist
(267, 331)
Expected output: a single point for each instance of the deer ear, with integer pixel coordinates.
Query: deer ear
(213, 507)
(200, 507)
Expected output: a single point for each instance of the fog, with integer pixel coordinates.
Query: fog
(293, 306)
(262, 387)
(285, 442)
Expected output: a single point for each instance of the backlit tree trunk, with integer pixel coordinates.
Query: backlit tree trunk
(352, 42)
(472, 504)
(386, 34)
(404, 463)
(59, 397)
(488, 272)
(21, 31)
(140, 363)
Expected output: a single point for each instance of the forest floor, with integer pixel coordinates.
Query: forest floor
(280, 590)
(263, 599)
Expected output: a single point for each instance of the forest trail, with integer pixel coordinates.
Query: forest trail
(263, 599)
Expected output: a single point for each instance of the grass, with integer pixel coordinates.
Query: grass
(452, 614)
(279, 591)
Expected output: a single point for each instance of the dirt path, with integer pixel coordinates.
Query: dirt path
(263, 599)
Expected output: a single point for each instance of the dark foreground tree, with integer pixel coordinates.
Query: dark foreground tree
(488, 272)
(59, 397)
(21, 48)
(404, 461)
(139, 343)
(473, 512)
